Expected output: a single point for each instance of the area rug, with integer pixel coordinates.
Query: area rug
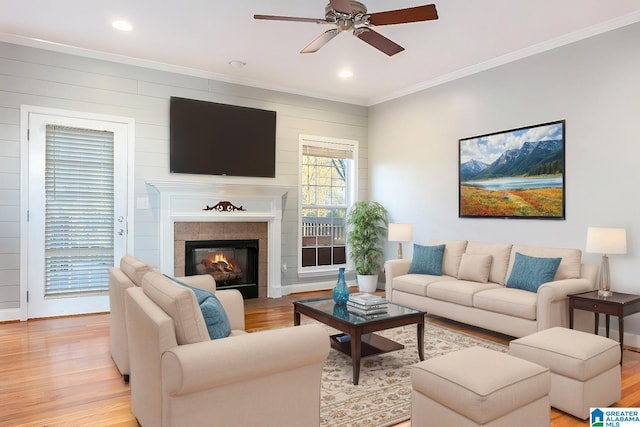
(383, 396)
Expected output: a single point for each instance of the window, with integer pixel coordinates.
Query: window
(79, 218)
(327, 176)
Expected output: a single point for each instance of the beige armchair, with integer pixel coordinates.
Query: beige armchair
(127, 275)
(179, 377)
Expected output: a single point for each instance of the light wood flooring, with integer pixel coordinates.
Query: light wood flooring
(59, 372)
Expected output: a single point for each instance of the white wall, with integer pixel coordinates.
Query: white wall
(50, 79)
(592, 84)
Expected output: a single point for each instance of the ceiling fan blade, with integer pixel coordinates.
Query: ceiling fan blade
(378, 41)
(290, 18)
(403, 16)
(320, 41)
(342, 6)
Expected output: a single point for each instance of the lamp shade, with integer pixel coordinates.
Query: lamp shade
(400, 232)
(603, 240)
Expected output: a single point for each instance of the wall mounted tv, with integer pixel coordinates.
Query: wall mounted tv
(218, 139)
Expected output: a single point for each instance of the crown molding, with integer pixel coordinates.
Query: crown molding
(170, 68)
(566, 39)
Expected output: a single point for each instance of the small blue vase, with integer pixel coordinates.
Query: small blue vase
(341, 290)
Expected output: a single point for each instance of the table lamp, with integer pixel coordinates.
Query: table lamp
(400, 233)
(606, 241)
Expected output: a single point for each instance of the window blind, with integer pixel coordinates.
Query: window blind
(331, 152)
(79, 210)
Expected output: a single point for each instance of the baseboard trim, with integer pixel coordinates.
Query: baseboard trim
(307, 287)
(317, 286)
(10, 314)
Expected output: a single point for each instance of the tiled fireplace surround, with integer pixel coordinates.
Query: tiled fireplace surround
(183, 215)
(184, 231)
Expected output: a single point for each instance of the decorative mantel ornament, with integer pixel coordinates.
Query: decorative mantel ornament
(224, 206)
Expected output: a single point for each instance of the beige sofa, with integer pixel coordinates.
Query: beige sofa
(127, 275)
(180, 377)
(462, 294)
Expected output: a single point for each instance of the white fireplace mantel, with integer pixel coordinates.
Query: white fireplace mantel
(188, 201)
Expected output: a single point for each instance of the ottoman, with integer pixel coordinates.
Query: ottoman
(585, 368)
(479, 387)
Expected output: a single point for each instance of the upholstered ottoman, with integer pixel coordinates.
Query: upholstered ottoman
(585, 368)
(479, 387)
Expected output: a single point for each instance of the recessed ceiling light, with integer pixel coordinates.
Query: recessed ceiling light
(122, 25)
(345, 74)
(237, 64)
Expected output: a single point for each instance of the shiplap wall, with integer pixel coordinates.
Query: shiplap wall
(31, 76)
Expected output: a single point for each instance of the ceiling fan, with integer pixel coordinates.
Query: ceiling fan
(348, 15)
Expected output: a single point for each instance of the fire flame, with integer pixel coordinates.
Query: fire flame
(219, 256)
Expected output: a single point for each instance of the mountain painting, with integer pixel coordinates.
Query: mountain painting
(517, 173)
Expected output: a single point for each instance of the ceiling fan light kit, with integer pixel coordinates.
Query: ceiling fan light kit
(350, 15)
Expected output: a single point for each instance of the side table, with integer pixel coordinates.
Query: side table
(618, 304)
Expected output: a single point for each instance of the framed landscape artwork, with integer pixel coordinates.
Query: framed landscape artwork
(518, 173)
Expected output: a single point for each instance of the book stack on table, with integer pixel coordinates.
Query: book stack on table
(364, 304)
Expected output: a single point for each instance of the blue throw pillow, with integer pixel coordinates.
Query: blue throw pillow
(427, 260)
(214, 315)
(529, 272)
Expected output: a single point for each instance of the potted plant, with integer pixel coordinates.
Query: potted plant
(366, 230)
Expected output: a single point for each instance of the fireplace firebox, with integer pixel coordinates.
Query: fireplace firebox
(232, 263)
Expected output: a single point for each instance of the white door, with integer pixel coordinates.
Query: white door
(77, 210)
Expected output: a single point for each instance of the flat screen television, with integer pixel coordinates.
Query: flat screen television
(219, 139)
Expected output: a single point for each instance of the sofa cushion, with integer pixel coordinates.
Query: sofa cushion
(458, 291)
(417, 284)
(569, 266)
(508, 301)
(499, 252)
(134, 268)
(214, 315)
(529, 273)
(427, 260)
(475, 267)
(180, 304)
(453, 250)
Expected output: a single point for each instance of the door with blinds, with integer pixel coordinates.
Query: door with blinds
(77, 213)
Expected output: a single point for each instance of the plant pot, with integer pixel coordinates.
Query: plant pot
(367, 282)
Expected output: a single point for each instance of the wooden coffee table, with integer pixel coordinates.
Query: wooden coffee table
(357, 339)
